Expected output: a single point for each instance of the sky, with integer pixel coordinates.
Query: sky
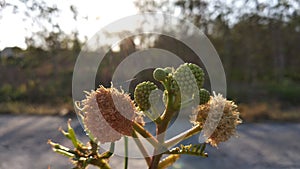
(93, 15)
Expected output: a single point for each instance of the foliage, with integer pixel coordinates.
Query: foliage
(196, 149)
(82, 155)
(257, 43)
(34, 79)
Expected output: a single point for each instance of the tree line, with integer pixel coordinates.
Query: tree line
(258, 43)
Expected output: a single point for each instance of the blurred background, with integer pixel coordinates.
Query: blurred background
(257, 41)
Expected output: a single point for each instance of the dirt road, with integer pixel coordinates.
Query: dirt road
(259, 146)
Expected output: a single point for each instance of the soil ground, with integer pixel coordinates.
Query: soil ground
(23, 145)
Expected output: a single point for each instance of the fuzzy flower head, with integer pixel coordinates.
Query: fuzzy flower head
(218, 119)
(108, 114)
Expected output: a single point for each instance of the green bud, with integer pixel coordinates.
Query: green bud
(169, 70)
(141, 94)
(204, 96)
(189, 78)
(159, 74)
(198, 73)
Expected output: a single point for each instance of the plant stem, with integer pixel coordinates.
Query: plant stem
(101, 163)
(126, 152)
(109, 153)
(142, 148)
(161, 129)
(189, 133)
(152, 140)
(112, 147)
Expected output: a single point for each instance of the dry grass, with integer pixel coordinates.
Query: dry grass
(256, 112)
(34, 109)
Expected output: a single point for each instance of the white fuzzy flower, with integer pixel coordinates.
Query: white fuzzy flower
(218, 119)
(108, 114)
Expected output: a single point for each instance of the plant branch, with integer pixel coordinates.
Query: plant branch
(162, 126)
(152, 140)
(187, 134)
(142, 148)
(126, 152)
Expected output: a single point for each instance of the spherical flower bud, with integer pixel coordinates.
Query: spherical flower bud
(221, 111)
(141, 94)
(204, 96)
(159, 74)
(108, 114)
(198, 73)
(189, 77)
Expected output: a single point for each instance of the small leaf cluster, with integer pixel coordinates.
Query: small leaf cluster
(191, 149)
(82, 155)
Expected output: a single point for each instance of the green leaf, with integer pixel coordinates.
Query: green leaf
(109, 153)
(63, 152)
(196, 150)
(72, 135)
(168, 161)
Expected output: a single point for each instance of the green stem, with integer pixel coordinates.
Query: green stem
(157, 118)
(162, 127)
(142, 148)
(109, 153)
(126, 152)
(101, 163)
(112, 147)
(152, 140)
(153, 116)
(187, 134)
